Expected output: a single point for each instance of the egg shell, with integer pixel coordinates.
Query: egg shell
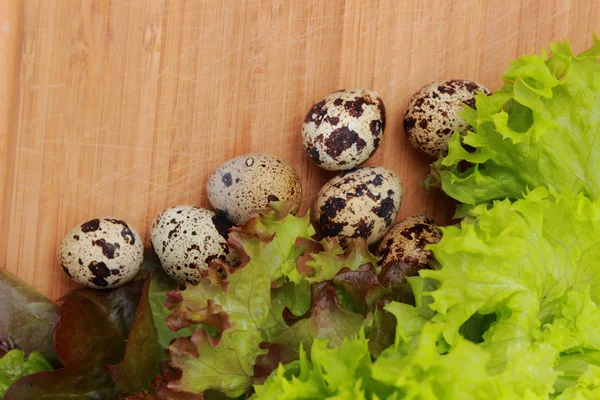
(406, 243)
(361, 203)
(102, 253)
(247, 183)
(432, 113)
(186, 238)
(344, 129)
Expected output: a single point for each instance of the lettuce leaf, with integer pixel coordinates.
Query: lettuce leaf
(540, 129)
(26, 318)
(13, 366)
(342, 372)
(248, 319)
(107, 342)
(236, 303)
(512, 313)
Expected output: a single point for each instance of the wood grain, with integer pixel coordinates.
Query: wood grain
(124, 107)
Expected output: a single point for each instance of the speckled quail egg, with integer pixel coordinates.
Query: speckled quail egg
(102, 253)
(362, 203)
(432, 114)
(344, 129)
(186, 238)
(248, 183)
(404, 245)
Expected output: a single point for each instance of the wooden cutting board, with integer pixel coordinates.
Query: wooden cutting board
(123, 107)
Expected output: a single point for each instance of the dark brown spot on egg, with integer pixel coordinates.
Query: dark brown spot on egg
(409, 123)
(359, 191)
(91, 225)
(108, 249)
(316, 113)
(423, 123)
(272, 197)
(100, 272)
(375, 146)
(363, 229)
(115, 272)
(126, 233)
(419, 102)
(222, 225)
(76, 237)
(329, 211)
(173, 232)
(66, 270)
(419, 232)
(338, 101)
(470, 102)
(385, 210)
(375, 127)
(382, 111)
(333, 120)
(210, 259)
(377, 181)
(444, 132)
(447, 88)
(355, 107)
(226, 179)
(193, 247)
(342, 139)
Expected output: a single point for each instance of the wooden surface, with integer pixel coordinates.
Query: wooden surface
(124, 107)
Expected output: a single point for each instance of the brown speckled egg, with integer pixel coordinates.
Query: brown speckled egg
(344, 129)
(102, 253)
(248, 183)
(186, 238)
(404, 245)
(432, 114)
(362, 203)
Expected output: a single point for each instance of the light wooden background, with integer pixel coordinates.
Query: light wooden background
(124, 107)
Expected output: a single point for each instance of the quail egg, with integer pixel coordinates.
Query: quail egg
(362, 203)
(344, 129)
(186, 238)
(248, 183)
(404, 245)
(102, 253)
(432, 114)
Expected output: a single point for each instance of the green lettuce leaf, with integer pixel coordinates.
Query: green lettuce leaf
(512, 313)
(236, 303)
(14, 365)
(342, 372)
(327, 263)
(160, 285)
(541, 129)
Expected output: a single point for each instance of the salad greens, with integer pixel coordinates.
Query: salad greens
(249, 309)
(14, 365)
(236, 303)
(531, 267)
(540, 129)
(26, 318)
(97, 333)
